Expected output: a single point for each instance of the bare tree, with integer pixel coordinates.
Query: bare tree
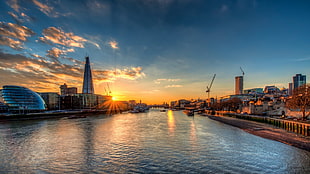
(300, 100)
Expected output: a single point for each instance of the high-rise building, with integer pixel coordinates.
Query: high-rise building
(64, 90)
(238, 85)
(299, 80)
(290, 88)
(88, 87)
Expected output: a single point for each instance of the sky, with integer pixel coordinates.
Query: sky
(154, 50)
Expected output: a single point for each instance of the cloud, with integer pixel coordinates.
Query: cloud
(15, 44)
(98, 7)
(158, 81)
(16, 18)
(56, 52)
(14, 4)
(57, 36)
(302, 59)
(41, 74)
(48, 10)
(94, 43)
(173, 86)
(15, 31)
(113, 44)
(131, 73)
(22, 17)
(22, 70)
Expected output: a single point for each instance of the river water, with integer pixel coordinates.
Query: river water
(152, 142)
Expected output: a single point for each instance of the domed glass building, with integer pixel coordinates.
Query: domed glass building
(19, 98)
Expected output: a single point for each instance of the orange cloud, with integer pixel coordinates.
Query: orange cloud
(45, 9)
(15, 31)
(113, 44)
(132, 73)
(45, 75)
(56, 52)
(57, 36)
(15, 44)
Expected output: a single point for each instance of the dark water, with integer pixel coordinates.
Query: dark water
(153, 142)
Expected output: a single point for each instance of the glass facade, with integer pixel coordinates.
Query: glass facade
(20, 98)
(299, 80)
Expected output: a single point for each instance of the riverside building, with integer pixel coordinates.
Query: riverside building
(238, 85)
(21, 100)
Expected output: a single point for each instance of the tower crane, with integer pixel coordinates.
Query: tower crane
(106, 92)
(109, 91)
(242, 71)
(209, 87)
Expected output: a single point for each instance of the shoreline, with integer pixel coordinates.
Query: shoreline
(51, 115)
(266, 131)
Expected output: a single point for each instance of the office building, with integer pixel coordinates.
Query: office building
(253, 91)
(238, 85)
(271, 90)
(64, 90)
(299, 80)
(290, 88)
(88, 87)
(19, 98)
(51, 100)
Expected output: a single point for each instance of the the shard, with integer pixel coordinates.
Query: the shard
(88, 87)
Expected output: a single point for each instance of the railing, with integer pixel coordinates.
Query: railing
(289, 125)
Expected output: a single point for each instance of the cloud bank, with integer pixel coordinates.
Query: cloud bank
(14, 35)
(43, 75)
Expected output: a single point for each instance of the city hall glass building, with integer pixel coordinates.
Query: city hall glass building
(19, 98)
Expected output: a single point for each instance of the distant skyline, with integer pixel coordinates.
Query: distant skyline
(154, 50)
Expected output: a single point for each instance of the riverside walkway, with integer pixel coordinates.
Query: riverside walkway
(271, 130)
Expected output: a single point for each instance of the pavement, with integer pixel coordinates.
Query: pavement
(267, 131)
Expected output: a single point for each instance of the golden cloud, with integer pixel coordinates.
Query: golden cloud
(56, 52)
(45, 75)
(57, 36)
(113, 44)
(15, 31)
(15, 44)
(45, 9)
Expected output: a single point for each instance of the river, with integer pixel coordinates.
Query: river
(152, 142)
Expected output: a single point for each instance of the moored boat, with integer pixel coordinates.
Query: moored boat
(189, 112)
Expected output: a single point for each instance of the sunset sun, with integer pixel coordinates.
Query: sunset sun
(114, 98)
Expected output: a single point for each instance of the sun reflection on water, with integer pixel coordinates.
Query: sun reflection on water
(171, 121)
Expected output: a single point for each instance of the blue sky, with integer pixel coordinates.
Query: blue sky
(154, 50)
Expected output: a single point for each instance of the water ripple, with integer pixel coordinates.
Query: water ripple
(153, 142)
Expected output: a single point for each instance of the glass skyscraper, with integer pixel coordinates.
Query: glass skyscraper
(299, 80)
(88, 87)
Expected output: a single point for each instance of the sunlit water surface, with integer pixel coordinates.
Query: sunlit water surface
(152, 142)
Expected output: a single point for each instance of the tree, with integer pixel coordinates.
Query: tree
(300, 100)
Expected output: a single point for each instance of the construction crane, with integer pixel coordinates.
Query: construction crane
(242, 71)
(109, 91)
(106, 92)
(209, 87)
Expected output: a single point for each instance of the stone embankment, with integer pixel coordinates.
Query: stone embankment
(267, 131)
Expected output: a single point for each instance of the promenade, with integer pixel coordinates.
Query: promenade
(267, 131)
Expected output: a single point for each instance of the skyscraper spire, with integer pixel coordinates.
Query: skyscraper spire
(88, 87)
